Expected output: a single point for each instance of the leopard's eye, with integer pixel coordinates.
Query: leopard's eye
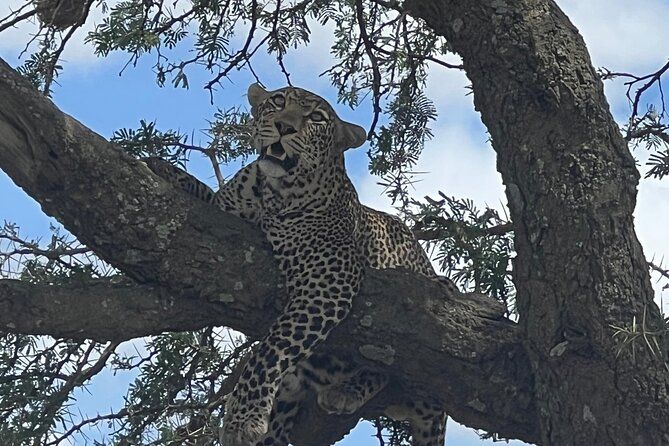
(278, 100)
(317, 117)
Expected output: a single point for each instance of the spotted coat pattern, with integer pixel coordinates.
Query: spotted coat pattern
(298, 192)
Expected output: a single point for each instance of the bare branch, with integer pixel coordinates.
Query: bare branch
(437, 234)
(28, 248)
(659, 131)
(376, 73)
(391, 4)
(663, 272)
(213, 401)
(9, 22)
(242, 54)
(652, 79)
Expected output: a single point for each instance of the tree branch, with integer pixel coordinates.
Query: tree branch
(214, 265)
(439, 233)
(100, 310)
(663, 272)
(9, 21)
(653, 78)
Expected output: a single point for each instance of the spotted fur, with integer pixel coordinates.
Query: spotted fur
(298, 192)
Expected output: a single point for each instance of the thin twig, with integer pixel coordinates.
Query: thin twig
(279, 54)
(376, 73)
(18, 18)
(656, 268)
(391, 4)
(652, 78)
(437, 234)
(379, 432)
(242, 53)
(659, 131)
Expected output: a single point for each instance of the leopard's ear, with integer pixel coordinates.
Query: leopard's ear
(256, 95)
(351, 135)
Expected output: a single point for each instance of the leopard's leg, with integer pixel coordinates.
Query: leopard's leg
(341, 387)
(239, 196)
(287, 404)
(320, 297)
(180, 179)
(427, 420)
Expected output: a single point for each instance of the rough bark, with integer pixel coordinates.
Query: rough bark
(571, 186)
(182, 250)
(100, 310)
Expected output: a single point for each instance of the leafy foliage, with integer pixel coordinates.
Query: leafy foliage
(58, 22)
(181, 378)
(61, 259)
(660, 164)
(651, 131)
(148, 141)
(178, 395)
(386, 53)
(140, 27)
(228, 135)
(378, 50)
(37, 377)
(473, 247)
(398, 146)
(36, 67)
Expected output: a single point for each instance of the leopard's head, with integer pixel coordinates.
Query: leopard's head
(296, 130)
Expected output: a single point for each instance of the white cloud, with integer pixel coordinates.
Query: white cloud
(621, 34)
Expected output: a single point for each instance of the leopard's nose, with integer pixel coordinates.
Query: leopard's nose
(284, 128)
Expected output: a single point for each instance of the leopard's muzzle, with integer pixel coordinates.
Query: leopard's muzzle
(276, 154)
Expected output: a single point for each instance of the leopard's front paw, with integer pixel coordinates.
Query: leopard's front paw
(340, 400)
(244, 432)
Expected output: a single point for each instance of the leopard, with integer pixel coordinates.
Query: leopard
(298, 193)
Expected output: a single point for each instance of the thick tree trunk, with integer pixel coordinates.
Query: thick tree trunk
(571, 186)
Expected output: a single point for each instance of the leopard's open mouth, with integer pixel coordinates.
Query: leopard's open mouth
(276, 154)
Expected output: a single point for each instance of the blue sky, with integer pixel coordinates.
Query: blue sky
(621, 35)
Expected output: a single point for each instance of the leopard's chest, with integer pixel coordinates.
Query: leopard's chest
(307, 236)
